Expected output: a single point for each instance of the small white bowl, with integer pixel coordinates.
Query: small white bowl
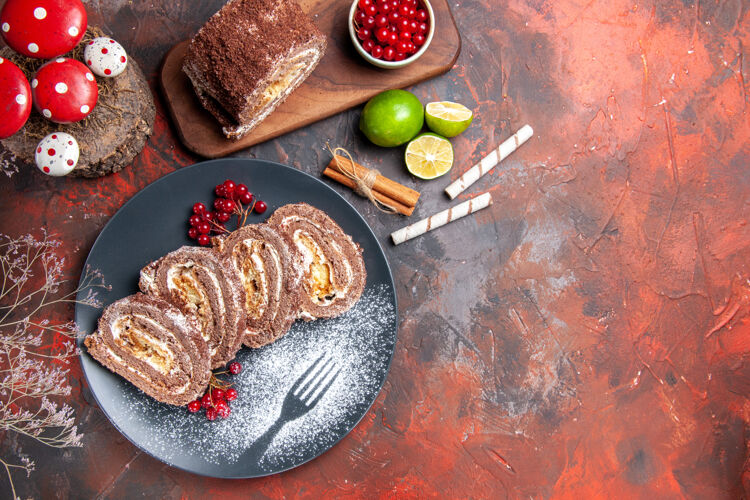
(382, 63)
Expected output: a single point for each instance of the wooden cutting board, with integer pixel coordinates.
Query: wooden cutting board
(342, 80)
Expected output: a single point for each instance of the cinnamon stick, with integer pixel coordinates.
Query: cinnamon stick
(346, 181)
(383, 185)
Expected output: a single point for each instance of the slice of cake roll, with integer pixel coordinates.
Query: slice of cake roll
(153, 345)
(263, 259)
(202, 282)
(333, 270)
(249, 57)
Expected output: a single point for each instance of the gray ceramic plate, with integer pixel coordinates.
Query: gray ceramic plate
(361, 342)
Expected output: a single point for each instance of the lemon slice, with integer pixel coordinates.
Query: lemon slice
(448, 118)
(429, 156)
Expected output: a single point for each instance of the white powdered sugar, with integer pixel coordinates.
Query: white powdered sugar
(359, 342)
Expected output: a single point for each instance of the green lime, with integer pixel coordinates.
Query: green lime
(448, 118)
(392, 118)
(429, 156)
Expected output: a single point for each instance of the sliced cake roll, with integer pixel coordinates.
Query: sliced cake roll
(202, 282)
(334, 273)
(263, 259)
(249, 57)
(153, 345)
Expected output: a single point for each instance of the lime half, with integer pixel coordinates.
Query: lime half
(448, 118)
(429, 156)
(392, 118)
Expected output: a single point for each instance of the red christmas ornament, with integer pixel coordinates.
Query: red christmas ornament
(43, 28)
(64, 90)
(15, 98)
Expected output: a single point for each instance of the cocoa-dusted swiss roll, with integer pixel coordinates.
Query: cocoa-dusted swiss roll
(202, 282)
(334, 273)
(153, 345)
(263, 259)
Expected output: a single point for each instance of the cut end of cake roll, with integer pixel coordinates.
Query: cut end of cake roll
(249, 57)
(154, 346)
(264, 261)
(202, 282)
(333, 271)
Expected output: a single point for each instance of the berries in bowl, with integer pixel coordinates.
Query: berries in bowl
(391, 33)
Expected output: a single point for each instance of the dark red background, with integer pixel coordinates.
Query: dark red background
(586, 336)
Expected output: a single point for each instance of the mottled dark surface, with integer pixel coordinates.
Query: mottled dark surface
(588, 335)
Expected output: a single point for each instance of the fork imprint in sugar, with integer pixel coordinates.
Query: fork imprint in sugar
(305, 393)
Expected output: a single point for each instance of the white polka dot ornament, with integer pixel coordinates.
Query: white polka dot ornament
(64, 90)
(43, 28)
(57, 154)
(105, 57)
(15, 99)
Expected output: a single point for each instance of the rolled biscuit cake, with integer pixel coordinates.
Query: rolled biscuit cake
(249, 57)
(203, 283)
(154, 346)
(333, 271)
(264, 261)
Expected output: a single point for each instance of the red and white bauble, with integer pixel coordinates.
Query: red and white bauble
(15, 98)
(57, 154)
(43, 28)
(64, 90)
(105, 57)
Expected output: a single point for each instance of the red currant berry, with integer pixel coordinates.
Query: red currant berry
(377, 52)
(419, 39)
(235, 367)
(400, 56)
(381, 20)
(401, 47)
(403, 10)
(199, 208)
(229, 186)
(228, 205)
(203, 228)
(218, 204)
(220, 403)
(421, 15)
(384, 6)
(363, 33)
(413, 26)
(423, 27)
(368, 45)
(217, 394)
(382, 35)
(404, 36)
(410, 48)
(395, 4)
(364, 3)
(403, 24)
(260, 207)
(194, 406)
(247, 197)
(389, 53)
(240, 190)
(412, 13)
(204, 240)
(223, 412)
(209, 216)
(371, 10)
(231, 394)
(393, 16)
(369, 22)
(211, 414)
(223, 217)
(359, 17)
(192, 233)
(194, 220)
(206, 401)
(219, 190)
(392, 38)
